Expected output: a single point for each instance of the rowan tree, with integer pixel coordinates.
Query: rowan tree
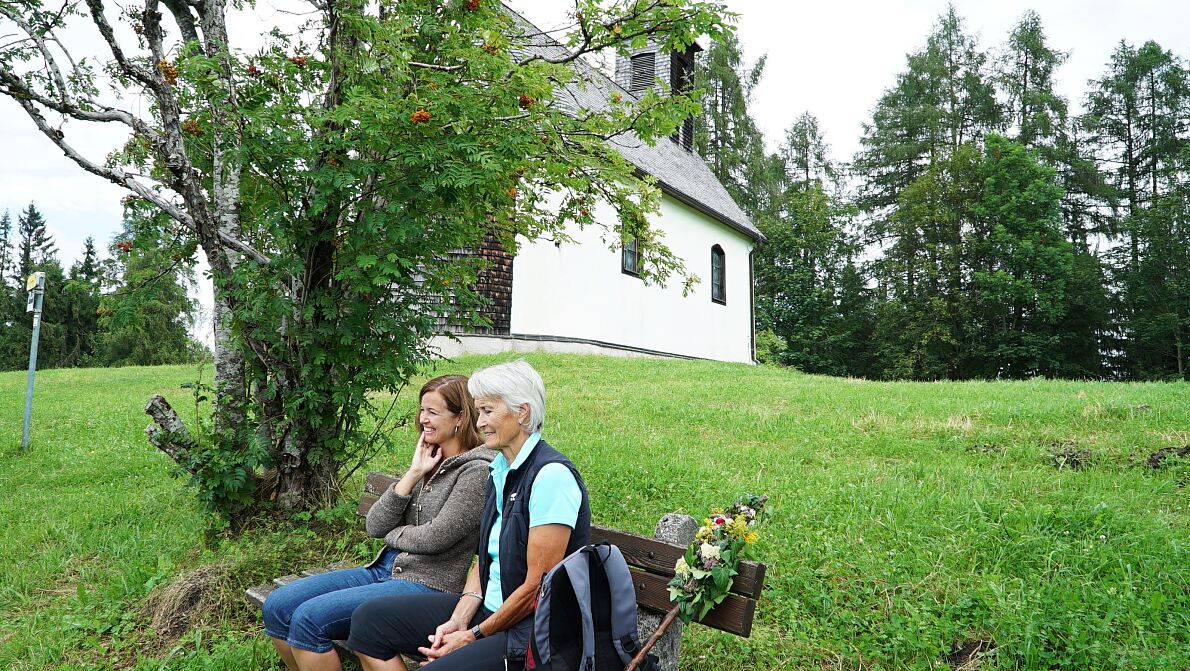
(328, 171)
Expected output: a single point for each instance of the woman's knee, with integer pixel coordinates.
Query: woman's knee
(370, 610)
(308, 628)
(276, 613)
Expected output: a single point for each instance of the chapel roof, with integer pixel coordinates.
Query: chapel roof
(681, 174)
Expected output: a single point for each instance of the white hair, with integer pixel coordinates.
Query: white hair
(516, 383)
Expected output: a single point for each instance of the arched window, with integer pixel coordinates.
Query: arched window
(718, 276)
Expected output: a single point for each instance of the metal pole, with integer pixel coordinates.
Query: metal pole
(36, 286)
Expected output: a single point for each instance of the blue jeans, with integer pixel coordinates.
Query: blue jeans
(311, 612)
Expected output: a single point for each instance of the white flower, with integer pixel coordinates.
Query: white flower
(682, 569)
(708, 551)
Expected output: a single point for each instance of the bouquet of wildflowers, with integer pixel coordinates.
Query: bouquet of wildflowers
(703, 577)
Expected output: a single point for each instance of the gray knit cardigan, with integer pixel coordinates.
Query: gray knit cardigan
(436, 528)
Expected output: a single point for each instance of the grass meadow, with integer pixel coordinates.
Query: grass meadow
(910, 523)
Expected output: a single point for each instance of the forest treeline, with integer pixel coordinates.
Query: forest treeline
(130, 308)
(983, 229)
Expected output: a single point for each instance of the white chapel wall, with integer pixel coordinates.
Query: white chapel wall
(577, 290)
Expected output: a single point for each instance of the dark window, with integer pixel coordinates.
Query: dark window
(630, 258)
(718, 276)
(644, 71)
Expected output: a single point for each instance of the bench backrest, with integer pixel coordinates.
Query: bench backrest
(652, 563)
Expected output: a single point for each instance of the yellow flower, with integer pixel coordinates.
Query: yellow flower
(751, 537)
(737, 527)
(682, 569)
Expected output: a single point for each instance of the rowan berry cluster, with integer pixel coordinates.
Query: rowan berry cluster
(169, 71)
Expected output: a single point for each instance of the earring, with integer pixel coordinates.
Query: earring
(456, 428)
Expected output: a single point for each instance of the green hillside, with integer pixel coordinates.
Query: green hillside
(907, 519)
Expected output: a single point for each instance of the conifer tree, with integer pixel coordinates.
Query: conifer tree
(917, 158)
(1139, 131)
(727, 136)
(145, 320)
(82, 302)
(7, 265)
(36, 245)
(1036, 114)
(1038, 119)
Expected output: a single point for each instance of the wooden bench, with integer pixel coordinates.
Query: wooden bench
(652, 563)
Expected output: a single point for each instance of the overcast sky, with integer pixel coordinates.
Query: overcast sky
(833, 59)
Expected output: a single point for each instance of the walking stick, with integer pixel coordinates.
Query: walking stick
(661, 629)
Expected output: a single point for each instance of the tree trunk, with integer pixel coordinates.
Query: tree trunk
(168, 432)
(307, 473)
(230, 392)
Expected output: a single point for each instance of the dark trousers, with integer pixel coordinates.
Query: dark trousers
(385, 627)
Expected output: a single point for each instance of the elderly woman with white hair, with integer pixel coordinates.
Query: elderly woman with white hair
(536, 513)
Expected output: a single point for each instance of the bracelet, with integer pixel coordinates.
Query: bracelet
(477, 595)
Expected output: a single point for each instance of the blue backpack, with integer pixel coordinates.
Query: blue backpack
(586, 615)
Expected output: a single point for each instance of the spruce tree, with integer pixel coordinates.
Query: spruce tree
(917, 159)
(145, 320)
(82, 302)
(7, 266)
(14, 345)
(727, 136)
(36, 245)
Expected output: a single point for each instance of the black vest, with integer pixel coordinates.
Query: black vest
(514, 533)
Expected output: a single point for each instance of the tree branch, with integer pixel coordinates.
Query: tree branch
(50, 62)
(113, 175)
(109, 36)
(432, 66)
(185, 20)
(15, 87)
(590, 43)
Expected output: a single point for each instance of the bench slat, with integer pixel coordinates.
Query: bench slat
(377, 482)
(257, 595)
(734, 615)
(659, 558)
(366, 501)
(334, 566)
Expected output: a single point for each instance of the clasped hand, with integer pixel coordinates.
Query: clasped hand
(448, 637)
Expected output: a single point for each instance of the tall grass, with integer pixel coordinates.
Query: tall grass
(908, 518)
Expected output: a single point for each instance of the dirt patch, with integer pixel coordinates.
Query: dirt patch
(967, 655)
(192, 598)
(985, 448)
(1065, 455)
(1160, 458)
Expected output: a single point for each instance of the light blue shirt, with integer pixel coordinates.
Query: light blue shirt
(555, 499)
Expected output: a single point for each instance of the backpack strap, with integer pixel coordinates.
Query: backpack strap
(579, 572)
(623, 595)
(577, 568)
